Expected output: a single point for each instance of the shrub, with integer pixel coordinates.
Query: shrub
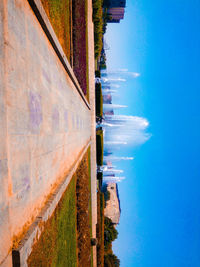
(94, 242)
(99, 100)
(99, 147)
(98, 26)
(106, 3)
(107, 195)
(110, 233)
(100, 179)
(111, 260)
(97, 73)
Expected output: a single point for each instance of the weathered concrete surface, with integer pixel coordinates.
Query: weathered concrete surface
(21, 254)
(5, 236)
(93, 124)
(44, 121)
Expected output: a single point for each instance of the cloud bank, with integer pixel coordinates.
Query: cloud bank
(131, 130)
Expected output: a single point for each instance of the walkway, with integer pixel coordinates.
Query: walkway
(93, 124)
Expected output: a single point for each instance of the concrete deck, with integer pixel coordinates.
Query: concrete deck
(93, 124)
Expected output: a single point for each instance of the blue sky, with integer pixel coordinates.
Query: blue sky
(160, 198)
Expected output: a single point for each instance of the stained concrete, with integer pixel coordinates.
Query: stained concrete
(22, 252)
(44, 121)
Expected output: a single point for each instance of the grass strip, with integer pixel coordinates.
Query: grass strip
(59, 14)
(57, 243)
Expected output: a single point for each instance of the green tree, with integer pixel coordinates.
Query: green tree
(111, 260)
(110, 233)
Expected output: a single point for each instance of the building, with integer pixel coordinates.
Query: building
(112, 209)
(107, 99)
(115, 10)
(115, 14)
(114, 3)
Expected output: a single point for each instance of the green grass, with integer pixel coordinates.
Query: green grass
(99, 147)
(90, 203)
(57, 243)
(59, 14)
(99, 100)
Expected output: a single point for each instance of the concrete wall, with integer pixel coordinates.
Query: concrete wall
(43, 120)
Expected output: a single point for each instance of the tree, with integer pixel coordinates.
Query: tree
(110, 233)
(111, 260)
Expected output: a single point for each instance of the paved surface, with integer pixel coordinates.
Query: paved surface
(23, 250)
(44, 121)
(93, 124)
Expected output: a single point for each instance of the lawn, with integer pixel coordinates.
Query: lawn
(60, 16)
(90, 201)
(57, 243)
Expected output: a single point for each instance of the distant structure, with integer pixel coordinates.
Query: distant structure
(109, 112)
(107, 99)
(115, 10)
(115, 14)
(112, 209)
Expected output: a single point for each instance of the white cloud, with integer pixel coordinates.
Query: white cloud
(123, 70)
(118, 79)
(129, 129)
(134, 74)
